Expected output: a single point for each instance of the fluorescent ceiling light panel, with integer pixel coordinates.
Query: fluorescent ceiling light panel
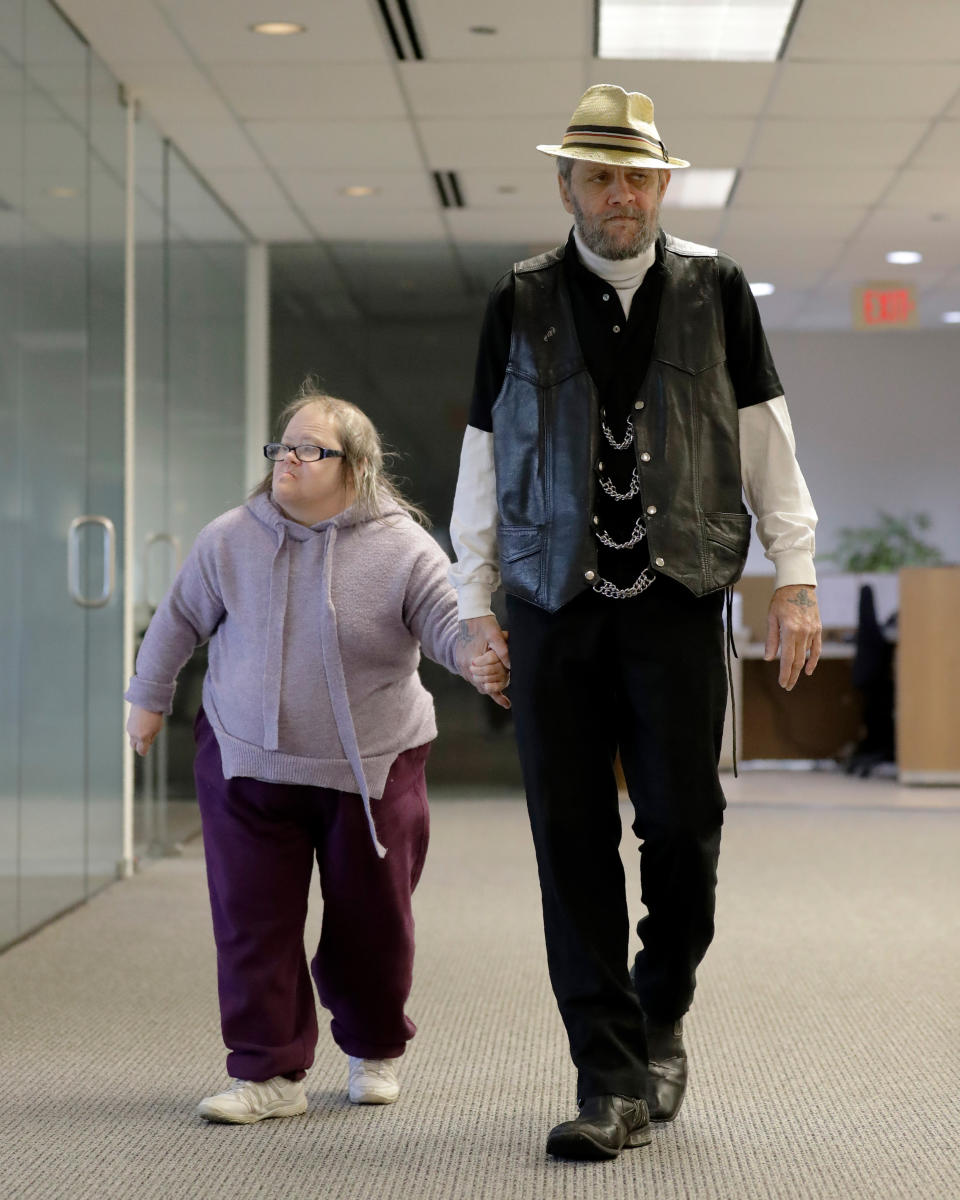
(762, 289)
(728, 30)
(951, 318)
(699, 188)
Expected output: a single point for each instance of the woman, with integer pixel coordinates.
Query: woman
(316, 597)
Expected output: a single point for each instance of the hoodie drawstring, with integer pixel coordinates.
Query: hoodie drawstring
(273, 661)
(339, 697)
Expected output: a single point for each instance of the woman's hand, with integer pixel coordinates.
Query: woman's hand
(142, 728)
(489, 676)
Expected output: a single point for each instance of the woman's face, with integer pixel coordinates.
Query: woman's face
(310, 492)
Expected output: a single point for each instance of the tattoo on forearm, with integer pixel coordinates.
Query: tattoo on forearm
(464, 632)
(803, 599)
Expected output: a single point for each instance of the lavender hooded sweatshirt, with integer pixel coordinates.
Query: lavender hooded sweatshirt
(315, 637)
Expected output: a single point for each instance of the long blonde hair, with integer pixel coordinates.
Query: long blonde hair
(364, 456)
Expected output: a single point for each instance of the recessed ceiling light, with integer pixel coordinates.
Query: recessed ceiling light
(732, 30)
(62, 193)
(484, 29)
(951, 318)
(700, 187)
(762, 289)
(278, 28)
(355, 190)
(904, 257)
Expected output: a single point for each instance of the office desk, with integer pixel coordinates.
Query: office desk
(820, 718)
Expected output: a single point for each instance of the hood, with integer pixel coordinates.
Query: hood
(268, 513)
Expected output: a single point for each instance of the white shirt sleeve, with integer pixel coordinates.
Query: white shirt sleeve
(473, 526)
(776, 492)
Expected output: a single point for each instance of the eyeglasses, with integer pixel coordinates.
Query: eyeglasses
(277, 451)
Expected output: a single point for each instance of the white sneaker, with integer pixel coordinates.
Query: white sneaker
(373, 1081)
(246, 1101)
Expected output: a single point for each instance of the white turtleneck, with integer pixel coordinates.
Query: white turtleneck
(625, 274)
(773, 484)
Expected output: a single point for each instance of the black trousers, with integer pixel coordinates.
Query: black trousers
(646, 677)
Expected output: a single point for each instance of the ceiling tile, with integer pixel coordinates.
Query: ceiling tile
(392, 189)
(691, 89)
(510, 187)
(527, 31)
(126, 30)
(693, 224)
(247, 188)
(788, 221)
(498, 142)
(519, 225)
(927, 190)
(791, 142)
(707, 142)
(343, 224)
(941, 148)
(816, 189)
(472, 89)
(210, 145)
(837, 90)
(338, 32)
(349, 91)
(360, 144)
(879, 30)
(173, 89)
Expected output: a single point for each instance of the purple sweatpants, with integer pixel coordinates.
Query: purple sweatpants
(259, 840)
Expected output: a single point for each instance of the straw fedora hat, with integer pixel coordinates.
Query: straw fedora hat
(616, 127)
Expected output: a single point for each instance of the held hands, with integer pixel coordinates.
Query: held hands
(483, 657)
(142, 728)
(793, 625)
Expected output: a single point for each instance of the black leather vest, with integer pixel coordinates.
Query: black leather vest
(546, 427)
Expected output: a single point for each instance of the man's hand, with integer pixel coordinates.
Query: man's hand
(142, 727)
(793, 626)
(478, 636)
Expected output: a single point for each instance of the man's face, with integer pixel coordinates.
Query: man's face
(616, 209)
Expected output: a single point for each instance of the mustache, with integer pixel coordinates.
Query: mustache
(635, 214)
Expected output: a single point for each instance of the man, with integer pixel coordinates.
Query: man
(625, 399)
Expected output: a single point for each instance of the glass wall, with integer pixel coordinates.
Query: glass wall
(62, 486)
(191, 262)
(61, 324)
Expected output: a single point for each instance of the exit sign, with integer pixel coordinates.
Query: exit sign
(884, 306)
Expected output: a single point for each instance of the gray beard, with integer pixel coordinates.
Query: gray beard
(593, 231)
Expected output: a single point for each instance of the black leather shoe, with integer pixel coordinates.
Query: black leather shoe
(667, 1077)
(606, 1125)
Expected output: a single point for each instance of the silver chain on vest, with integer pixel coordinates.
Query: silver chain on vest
(627, 441)
(604, 587)
(612, 492)
(642, 582)
(639, 533)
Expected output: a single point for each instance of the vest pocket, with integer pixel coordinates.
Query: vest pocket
(727, 537)
(520, 560)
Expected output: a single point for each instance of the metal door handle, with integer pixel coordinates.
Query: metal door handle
(73, 561)
(171, 539)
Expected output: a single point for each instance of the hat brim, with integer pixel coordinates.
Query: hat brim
(614, 158)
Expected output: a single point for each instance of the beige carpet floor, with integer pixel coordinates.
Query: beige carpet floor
(825, 1039)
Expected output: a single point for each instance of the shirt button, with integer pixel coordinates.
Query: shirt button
(658, 561)
(599, 466)
(616, 329)
(596, 520)
(589, 576)
(644, 457)
(606, 295)
(639, 404)
(651, 510)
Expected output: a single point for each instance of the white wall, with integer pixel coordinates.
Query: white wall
(877, 419)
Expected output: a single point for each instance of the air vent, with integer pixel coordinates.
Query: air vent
(400, 28)
(448, 189)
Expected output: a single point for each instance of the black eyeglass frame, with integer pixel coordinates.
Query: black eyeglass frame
(323, 452)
